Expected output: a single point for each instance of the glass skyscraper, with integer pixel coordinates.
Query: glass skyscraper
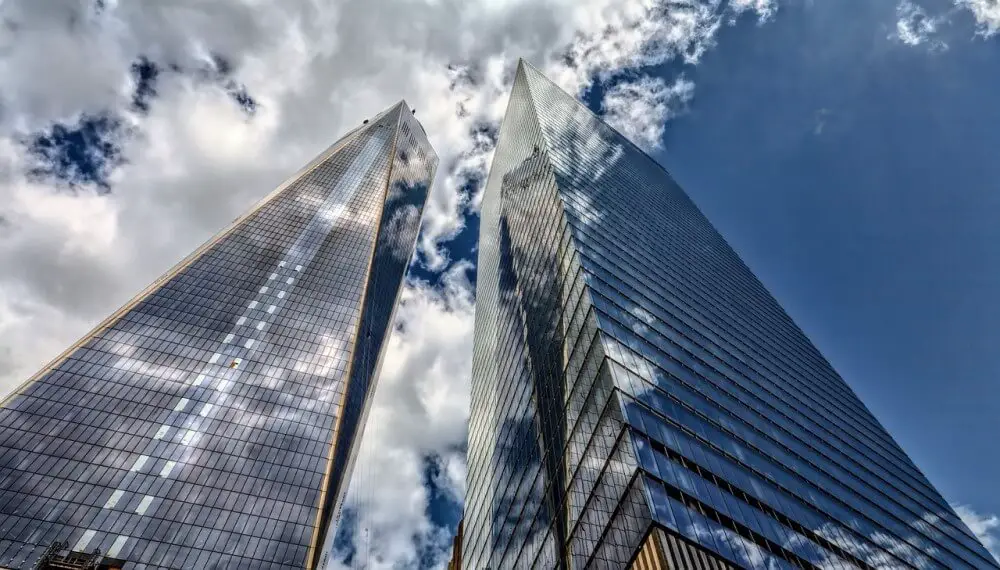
(212, 421)
(640, 399)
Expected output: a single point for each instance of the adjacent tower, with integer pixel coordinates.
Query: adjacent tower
(212, 421)
(639, 398)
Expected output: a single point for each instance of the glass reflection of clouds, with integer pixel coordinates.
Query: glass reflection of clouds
(198, 426)
(413, 164)
(665, 385)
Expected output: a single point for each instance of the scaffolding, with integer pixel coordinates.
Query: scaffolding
(59, 557)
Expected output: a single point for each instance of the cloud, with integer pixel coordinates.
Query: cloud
(765, 9)
(213, 104)
(641, 109)
(915, 27)
(986, 527)
(420, 413)
(986, 12)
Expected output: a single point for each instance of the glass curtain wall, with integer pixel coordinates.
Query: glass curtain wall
(631, 373)
(212, 421)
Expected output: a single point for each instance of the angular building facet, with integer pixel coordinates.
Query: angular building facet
(640, 400)
(212, 421)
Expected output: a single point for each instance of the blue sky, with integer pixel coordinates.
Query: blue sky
(844, 148)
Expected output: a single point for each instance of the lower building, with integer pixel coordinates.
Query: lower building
(455, 563)
(662, 550)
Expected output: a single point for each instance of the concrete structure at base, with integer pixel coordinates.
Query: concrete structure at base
(456, 549)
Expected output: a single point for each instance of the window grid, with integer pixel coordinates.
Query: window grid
(602, 289)
(196, 428)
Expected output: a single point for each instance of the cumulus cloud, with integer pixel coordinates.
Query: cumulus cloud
(986, 527)
(915, 26)
(986, 12)
(765, 9)
(192, 158)
(418, 415)
(641, 109)
(204, 107)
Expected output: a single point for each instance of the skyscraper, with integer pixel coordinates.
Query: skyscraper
(639, 398)
(212, 421)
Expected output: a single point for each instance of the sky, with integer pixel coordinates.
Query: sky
(844, 149)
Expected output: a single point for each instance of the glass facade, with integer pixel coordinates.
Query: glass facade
(630, 373)
(212, 421)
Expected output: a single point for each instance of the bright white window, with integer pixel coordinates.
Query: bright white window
(165, 472)
(224, 385)
(248, 343)
(81, 545)
(281, 264)
(117, 546)
(144, 504)
(181, 405)
(281, 294)
(264, 290)
(229, 338)
(298, 268)
(139, 462)
(271, 309)
(240, 321)
(113, 499)
(289, 280)
(260, 325)
(205, 410)
(273, 276)
(189, 437)
(199, 380)
(162, 432)
(215, 358)
(253, 304)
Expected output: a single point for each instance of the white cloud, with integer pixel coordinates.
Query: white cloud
(420, 410)
(641, 109)
(986, 12)
(195, 160)
(765, 9)
(915, 26)
(986, 527)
